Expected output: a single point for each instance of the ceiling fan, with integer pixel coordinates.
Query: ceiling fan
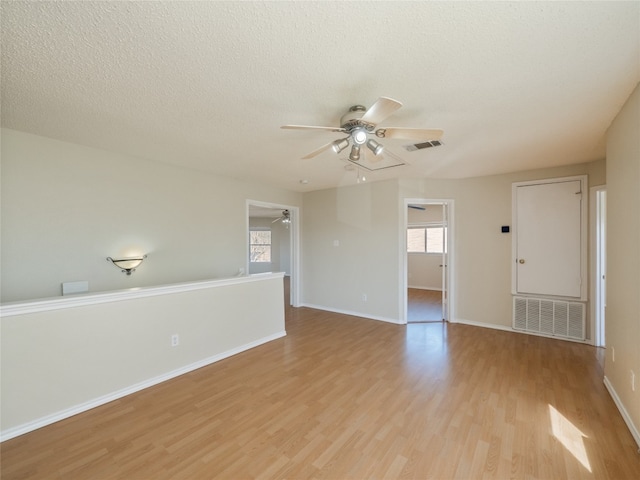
(360, 125)
(285, 218)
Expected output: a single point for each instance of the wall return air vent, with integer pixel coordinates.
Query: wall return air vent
(549, 317)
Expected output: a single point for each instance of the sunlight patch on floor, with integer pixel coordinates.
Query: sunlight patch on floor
(570, 436)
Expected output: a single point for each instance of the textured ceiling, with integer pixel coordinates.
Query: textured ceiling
(206, 85)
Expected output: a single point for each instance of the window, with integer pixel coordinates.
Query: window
(427, 239)
(260, 246)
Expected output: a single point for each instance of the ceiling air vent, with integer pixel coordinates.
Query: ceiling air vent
(423, 145)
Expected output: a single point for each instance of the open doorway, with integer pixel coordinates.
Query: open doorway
(272, 243)
(427, 258)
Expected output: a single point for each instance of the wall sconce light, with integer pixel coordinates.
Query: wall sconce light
(127, 265)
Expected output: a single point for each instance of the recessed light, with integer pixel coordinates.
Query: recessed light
(304, 181)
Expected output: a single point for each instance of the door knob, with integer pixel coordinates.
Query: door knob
(521, 260)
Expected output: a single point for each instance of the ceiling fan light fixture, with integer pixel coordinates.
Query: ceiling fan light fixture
(375, 147)
(340, 145)
(359, 136)
(354, 156)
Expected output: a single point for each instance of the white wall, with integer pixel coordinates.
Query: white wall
(66, 207)
(623, 259)
(365, 219)
(424, 271)
(284, 240)
(71, 354)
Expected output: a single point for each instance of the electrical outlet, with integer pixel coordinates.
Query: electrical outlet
(613, 354)
(633, 381)
(175, 340)
(364, 297)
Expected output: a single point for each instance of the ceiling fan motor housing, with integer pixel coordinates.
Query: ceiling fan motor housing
(351, 119)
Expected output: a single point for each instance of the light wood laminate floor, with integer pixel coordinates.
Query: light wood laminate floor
(424, 305)
(342, 397)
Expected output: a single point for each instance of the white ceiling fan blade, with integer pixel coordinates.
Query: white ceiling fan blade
(318, 151)
(312, 127)
(425, 134)
(380, 110)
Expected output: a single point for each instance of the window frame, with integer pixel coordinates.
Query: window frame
(426, 227)
(269, 245)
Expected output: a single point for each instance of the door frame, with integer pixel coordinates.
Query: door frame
(294, 244)
(598, 263)
(404, 271)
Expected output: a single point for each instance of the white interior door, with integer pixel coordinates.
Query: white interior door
(548, 238)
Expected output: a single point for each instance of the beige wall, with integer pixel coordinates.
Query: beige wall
(623, 256)
(366, 219)
(66, 207)
(482, 252)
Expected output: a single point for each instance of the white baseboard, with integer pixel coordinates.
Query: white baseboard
(96, 402)
(352, 313)
(623, 411)
(483, 325)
